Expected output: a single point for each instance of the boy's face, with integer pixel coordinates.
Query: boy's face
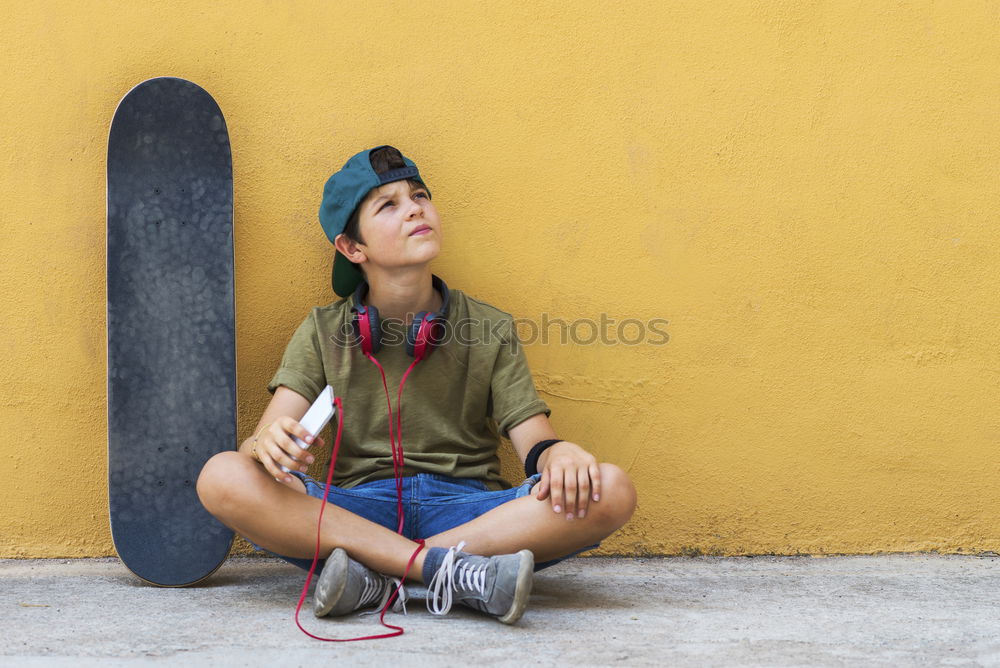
(390, 217)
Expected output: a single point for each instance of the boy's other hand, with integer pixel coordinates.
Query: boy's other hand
(571, 477)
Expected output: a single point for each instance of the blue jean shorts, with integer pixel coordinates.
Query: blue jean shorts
(432, 503)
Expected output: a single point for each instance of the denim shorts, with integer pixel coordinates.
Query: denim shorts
(432, 503)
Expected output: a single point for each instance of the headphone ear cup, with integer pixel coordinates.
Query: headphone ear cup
(415, 337)
(368, 330)
(375, 325)
(424, 335)
(362, 332)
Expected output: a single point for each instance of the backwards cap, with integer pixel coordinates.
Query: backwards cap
(342, 193)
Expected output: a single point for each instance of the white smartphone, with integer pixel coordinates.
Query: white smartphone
(316, 418)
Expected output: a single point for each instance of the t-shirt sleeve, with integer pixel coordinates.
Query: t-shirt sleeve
(301, 366)
(512, 390)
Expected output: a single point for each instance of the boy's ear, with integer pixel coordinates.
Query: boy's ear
(349, 249)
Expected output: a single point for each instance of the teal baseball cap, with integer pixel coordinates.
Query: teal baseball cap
(342, 193)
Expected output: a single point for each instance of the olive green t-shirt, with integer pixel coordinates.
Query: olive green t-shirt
(456, 403)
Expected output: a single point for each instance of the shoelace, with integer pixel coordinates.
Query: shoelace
(371, 592)
(470, 577)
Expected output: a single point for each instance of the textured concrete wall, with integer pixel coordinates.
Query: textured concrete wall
(806, 191)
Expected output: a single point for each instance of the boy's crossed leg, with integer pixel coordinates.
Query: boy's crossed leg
(281, 518)
(529, 523)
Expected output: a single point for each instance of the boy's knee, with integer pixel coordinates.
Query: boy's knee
(618, 495)
(220, 479)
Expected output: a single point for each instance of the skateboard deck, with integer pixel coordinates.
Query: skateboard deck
(171, 327)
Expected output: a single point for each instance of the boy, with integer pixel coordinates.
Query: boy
(473, 388)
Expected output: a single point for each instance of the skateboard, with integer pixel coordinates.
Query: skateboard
(171, 327)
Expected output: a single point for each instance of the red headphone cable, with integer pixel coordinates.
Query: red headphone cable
(329, 478)
(396, 443)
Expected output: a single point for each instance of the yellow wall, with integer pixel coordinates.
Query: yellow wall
(805, 190)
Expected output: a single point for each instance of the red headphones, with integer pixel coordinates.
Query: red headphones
(423, 334)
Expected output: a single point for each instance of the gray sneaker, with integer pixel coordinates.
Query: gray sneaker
(345, 585)
(498, 586)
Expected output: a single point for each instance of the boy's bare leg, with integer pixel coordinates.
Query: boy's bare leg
(530, 523)
(281, 518)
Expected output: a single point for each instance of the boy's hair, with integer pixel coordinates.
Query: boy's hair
(382, 159)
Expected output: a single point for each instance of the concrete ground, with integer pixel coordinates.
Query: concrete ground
(891, 610)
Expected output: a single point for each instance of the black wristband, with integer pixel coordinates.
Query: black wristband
(531, 462)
